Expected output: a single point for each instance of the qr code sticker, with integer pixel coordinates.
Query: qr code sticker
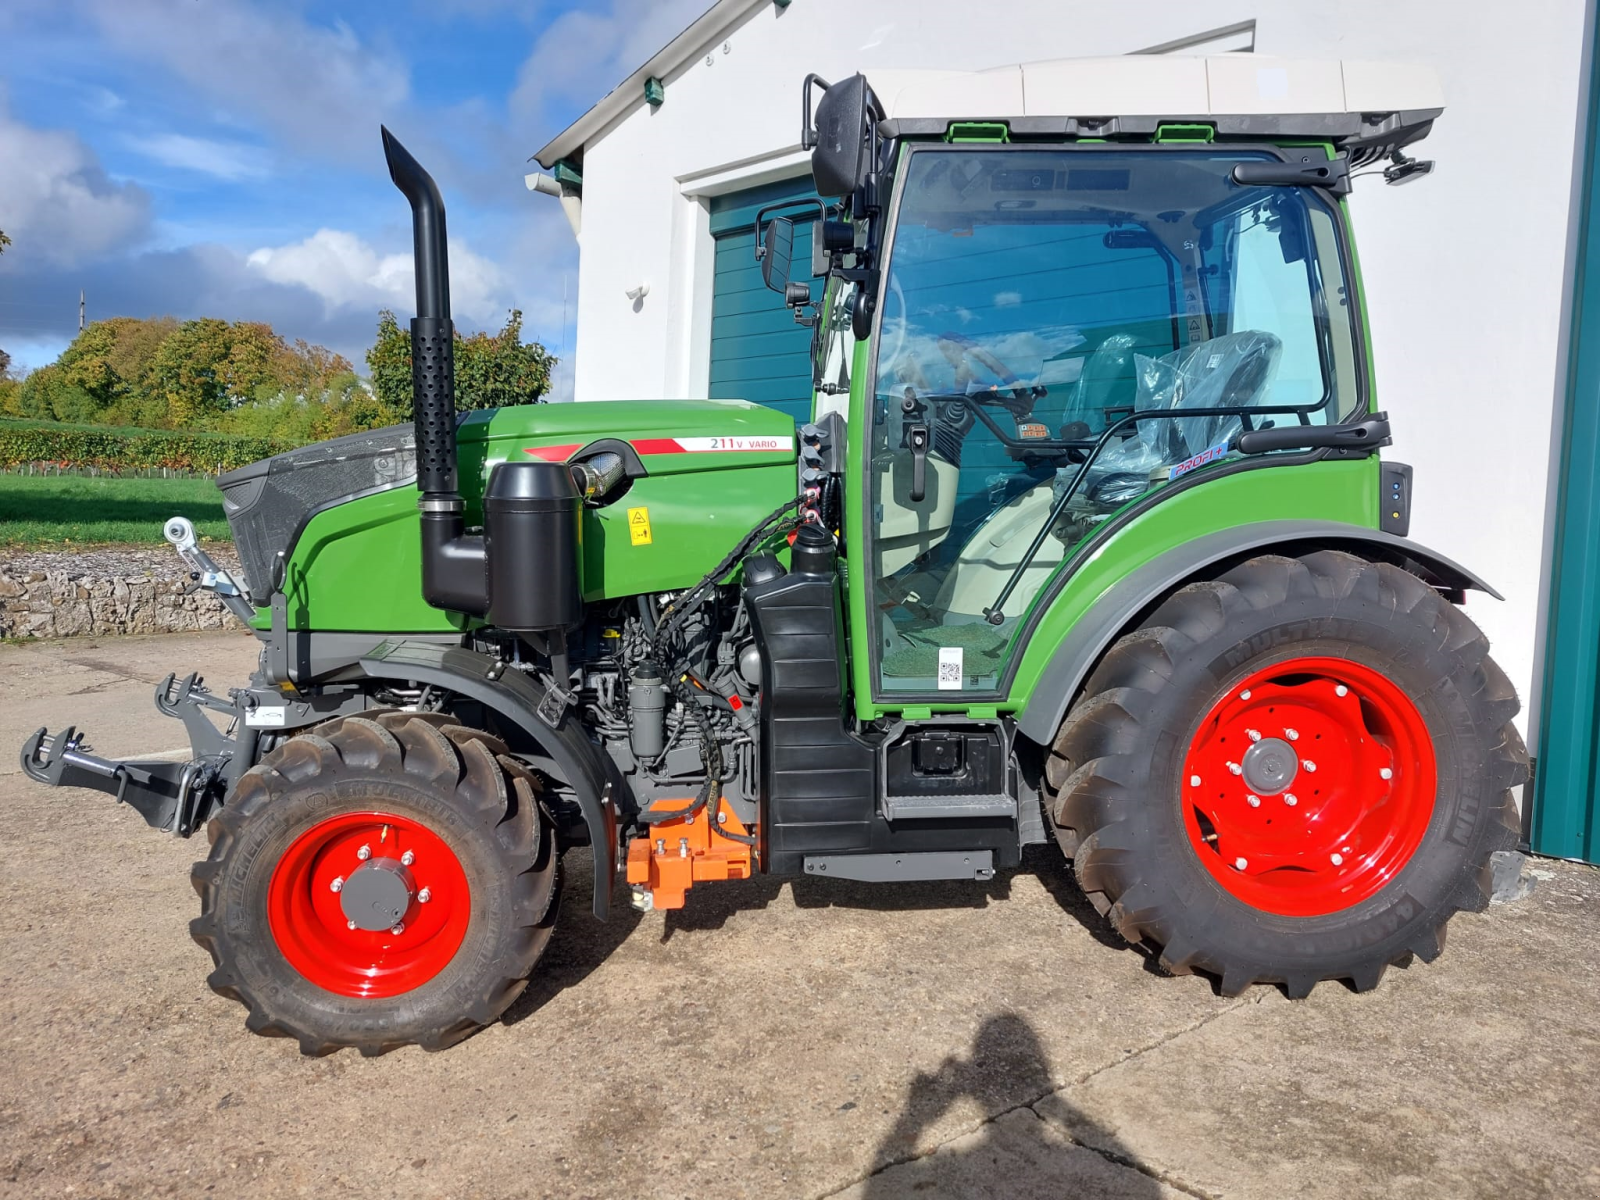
(950, 664)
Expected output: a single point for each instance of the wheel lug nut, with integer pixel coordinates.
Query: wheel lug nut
(407, 859)
(1290, 799)
(399, 927)
(1241, 863)
(349, 924)
(1292, 734)
(364, 853)
(424, 896)
(1341, 690)
(337, 885)
(1336, 859)
(1385, 773)
(1253, 801)
(1308, 765)
(1253, 734)
(1194, 781)
(1245, 695)
(1235, 769)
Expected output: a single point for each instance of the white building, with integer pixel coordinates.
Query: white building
(1466, 273)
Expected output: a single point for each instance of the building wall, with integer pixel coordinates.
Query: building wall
(1463, 270)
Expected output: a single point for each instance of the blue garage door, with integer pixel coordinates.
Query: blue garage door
(758, 353)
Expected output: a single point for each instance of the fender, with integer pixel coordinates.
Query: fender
(1072, 661)
(516, 698)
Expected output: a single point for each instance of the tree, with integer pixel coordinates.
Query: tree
(492, 370)
(47, 394)
(389, 360)
(4, 241)
(110, 362)
(208, 366)
(307, 370)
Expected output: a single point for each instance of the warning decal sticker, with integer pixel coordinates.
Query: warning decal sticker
(639, 526)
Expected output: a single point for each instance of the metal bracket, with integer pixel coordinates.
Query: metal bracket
(160, 792)
(184, 701)
(554, 706)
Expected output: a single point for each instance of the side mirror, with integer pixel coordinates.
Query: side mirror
(843, 133)
(777, 249)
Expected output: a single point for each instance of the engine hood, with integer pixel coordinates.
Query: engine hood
(270, 504)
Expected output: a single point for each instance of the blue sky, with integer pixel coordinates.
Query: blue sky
(221, 157)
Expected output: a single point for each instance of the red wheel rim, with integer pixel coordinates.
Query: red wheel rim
(1309, 786)
(307, 913)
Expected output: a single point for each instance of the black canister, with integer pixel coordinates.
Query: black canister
(813, 551)
(531, 516)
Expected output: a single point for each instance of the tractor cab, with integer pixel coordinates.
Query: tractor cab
(1042, 323)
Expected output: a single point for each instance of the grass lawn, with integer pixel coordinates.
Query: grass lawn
(41, 510)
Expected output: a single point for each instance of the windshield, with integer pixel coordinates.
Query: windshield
(1038, 297)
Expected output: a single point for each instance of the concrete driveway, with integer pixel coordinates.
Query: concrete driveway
(808, 1039)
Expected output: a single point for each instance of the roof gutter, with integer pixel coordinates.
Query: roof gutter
(629, 94)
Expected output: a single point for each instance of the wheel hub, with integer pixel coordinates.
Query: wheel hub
(1270, 766)
(1309, 786)
(378, 894)
(369, 904)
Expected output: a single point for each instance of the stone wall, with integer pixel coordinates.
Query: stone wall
(64, 595)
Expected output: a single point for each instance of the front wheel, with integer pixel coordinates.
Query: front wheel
(1293, 773)
(378, 882)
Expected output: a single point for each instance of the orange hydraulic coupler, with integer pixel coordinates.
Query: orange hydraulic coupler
(677, 854)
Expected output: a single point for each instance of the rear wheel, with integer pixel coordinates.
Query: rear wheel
(378, 882)
(1293, 773)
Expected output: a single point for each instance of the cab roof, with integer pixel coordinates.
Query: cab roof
(1365, 107)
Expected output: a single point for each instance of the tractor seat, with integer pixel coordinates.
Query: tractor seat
(1232, 371)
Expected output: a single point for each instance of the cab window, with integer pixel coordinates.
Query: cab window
(1035, 299)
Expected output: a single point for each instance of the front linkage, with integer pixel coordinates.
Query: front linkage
(175, 797)
(179, 796)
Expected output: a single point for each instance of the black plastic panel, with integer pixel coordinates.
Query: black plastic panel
(817, 781)
(946, 762)
(1394, 499)
(819, 792)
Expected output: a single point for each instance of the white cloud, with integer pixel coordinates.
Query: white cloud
(322, 89)
(1007, 299)
(224, 160)
(57, 202)
(346, 272)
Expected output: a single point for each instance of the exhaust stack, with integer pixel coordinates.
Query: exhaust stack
(454, 566)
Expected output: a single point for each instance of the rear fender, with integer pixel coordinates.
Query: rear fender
(516, 698)
(1115, 611)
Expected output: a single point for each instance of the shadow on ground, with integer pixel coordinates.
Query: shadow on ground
(1017, 1154)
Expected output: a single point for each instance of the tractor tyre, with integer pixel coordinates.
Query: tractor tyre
(1292, 773)
(376, 882)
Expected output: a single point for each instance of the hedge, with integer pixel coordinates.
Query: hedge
(109, 449)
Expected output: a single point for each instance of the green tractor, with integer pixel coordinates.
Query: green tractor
(1089, 541)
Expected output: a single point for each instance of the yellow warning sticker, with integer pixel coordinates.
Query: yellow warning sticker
(639, 526)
